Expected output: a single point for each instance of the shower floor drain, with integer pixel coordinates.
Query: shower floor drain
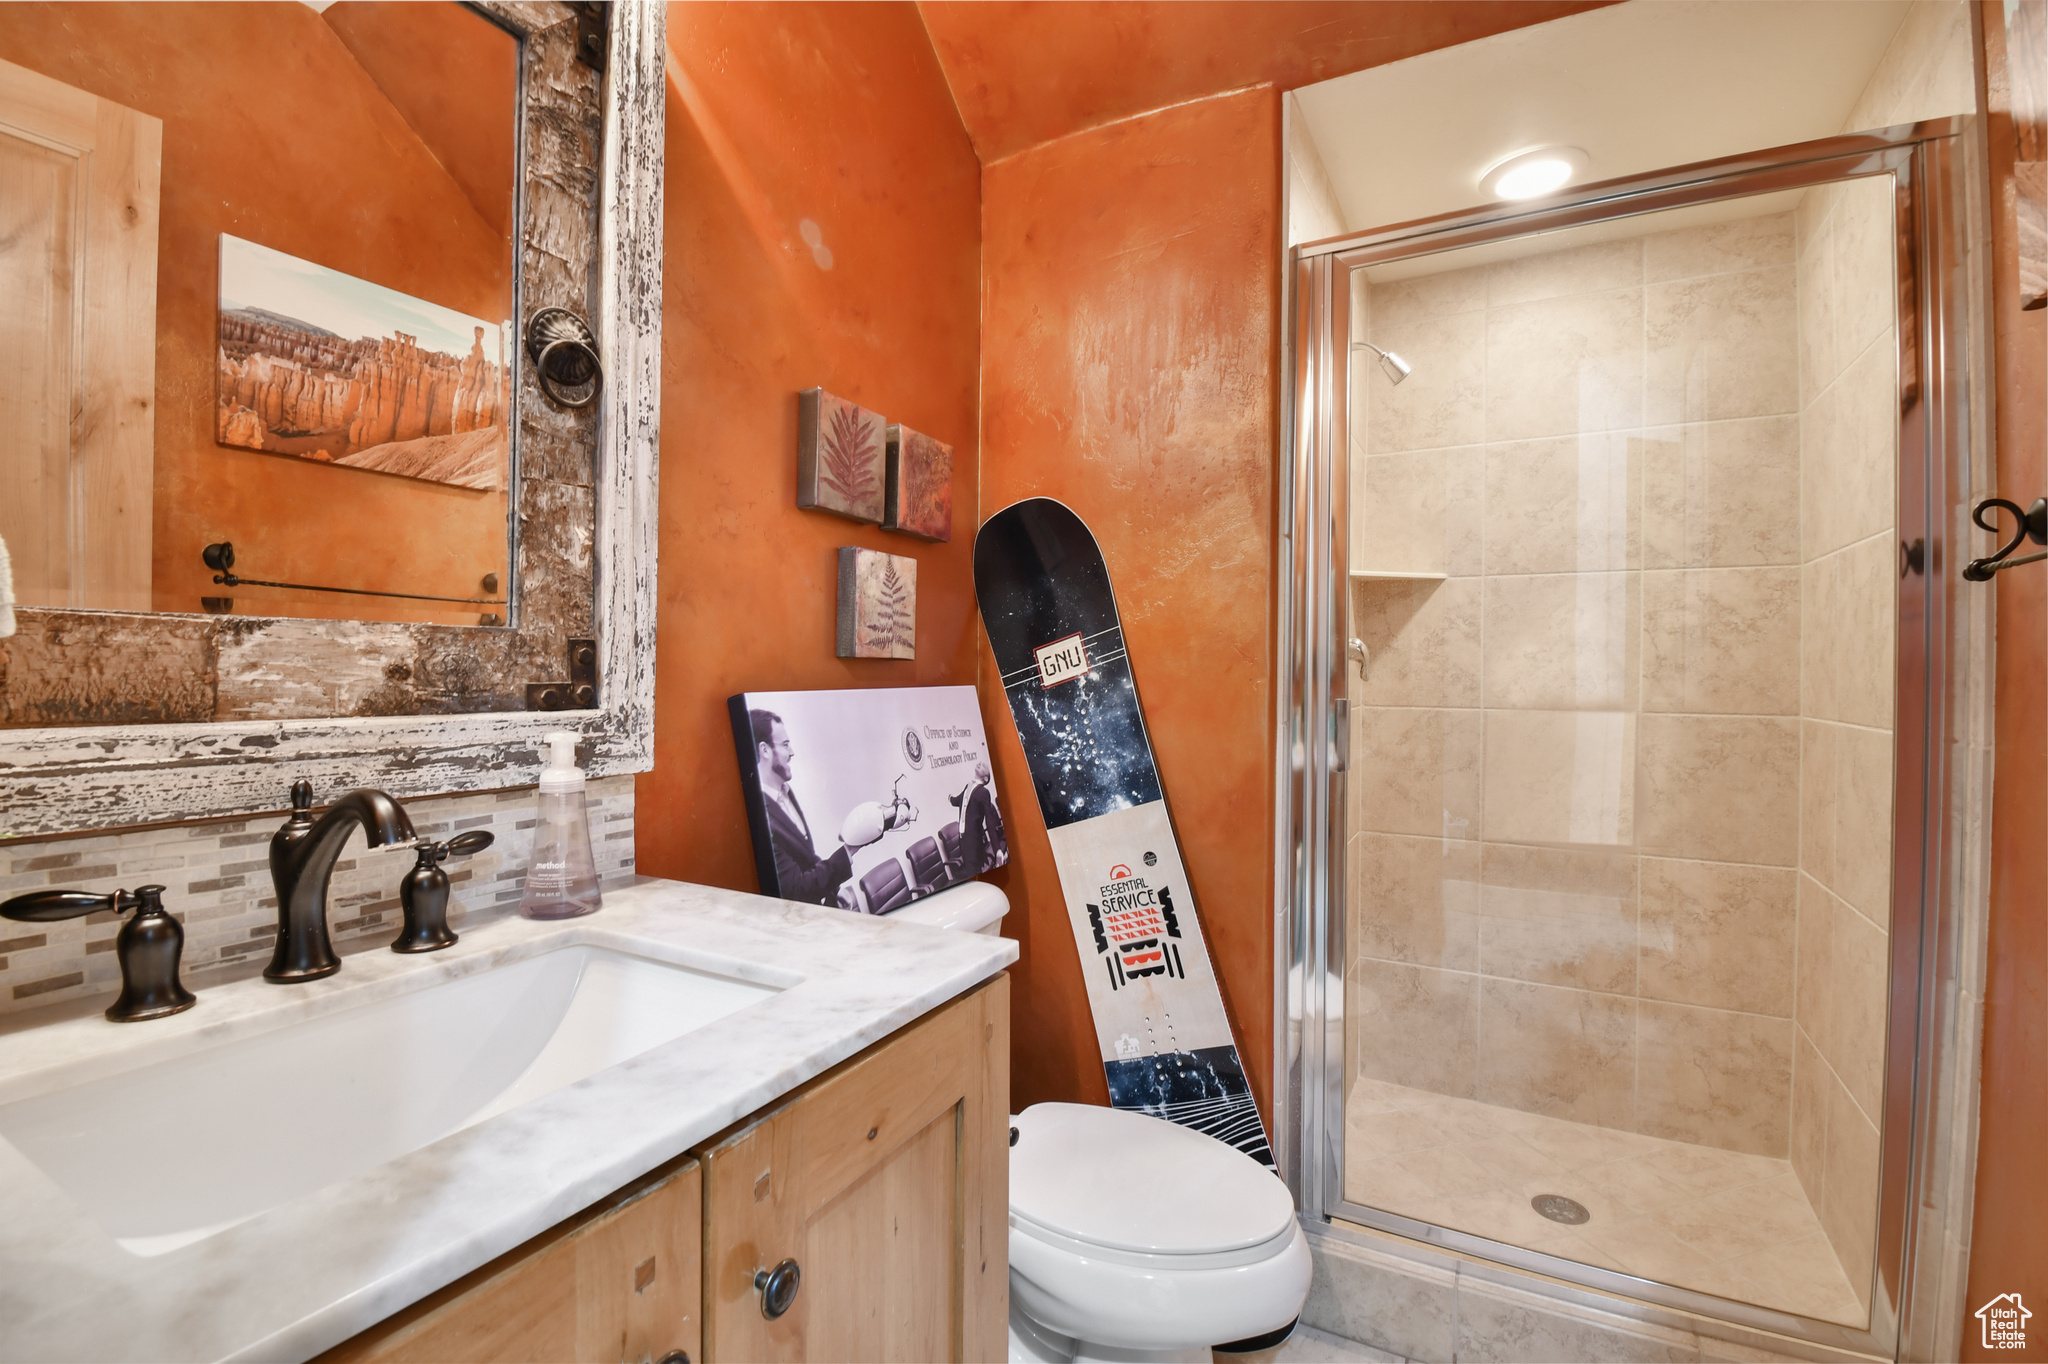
(1558, 1208)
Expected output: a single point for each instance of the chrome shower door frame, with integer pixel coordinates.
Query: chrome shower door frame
(1934, 482)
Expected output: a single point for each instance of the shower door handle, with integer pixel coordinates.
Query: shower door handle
(1340, 734)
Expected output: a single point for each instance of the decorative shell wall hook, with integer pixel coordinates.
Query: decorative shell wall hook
(564, 354)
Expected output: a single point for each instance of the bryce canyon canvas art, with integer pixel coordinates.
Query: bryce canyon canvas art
(319, 365)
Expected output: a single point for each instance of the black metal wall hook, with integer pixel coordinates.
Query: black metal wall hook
(2033, 525)
(564, 354)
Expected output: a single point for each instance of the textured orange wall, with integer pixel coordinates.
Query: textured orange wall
(1028, 71)
(455, 104)
(2009, 1238)
(273, 133)
(1129, 369)
(778, 114)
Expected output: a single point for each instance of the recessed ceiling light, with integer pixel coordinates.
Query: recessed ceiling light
(1532, 174)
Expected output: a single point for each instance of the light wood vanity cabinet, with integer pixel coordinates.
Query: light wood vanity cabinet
(622, 1281)
(886, 1180)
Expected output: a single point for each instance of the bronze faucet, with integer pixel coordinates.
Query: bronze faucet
(302, 855)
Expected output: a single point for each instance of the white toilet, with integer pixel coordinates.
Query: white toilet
(970, 907)
(1133, 1239)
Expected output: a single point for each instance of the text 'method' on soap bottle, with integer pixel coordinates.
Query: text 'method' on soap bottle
(561, 876)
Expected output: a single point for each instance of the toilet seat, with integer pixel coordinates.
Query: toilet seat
(1135, 1234)
(1158, 1263)
(1114, 1180)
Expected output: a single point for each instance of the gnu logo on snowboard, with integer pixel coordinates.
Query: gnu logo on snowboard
(1135, 929)
(1063, 660)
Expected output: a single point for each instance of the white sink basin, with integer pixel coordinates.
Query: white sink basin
(170, 1154)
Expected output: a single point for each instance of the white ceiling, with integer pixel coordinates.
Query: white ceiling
(1639, 86)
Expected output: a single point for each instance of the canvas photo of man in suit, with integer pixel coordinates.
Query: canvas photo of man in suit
(800, 873)
(834, 782)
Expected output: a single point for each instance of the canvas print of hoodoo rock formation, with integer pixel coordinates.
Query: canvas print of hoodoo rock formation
(841, 457)
(323, 366)
(920, 485)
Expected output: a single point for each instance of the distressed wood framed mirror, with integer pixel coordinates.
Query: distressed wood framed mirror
(328, 525)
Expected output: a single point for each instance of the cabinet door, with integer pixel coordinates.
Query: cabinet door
(887, 1181)
(619, 1285)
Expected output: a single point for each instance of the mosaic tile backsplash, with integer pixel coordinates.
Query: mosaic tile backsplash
(217, 877)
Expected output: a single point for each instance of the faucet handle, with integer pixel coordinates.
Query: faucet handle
(424, 892)
(475, 841)
(149, 945)
(462, 845)
(49, 906)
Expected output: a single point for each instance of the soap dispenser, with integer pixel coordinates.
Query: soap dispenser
(561, 878)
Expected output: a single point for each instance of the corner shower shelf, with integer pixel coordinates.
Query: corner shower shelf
(1366, 575)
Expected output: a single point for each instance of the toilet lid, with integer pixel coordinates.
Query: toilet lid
(1132, 1182)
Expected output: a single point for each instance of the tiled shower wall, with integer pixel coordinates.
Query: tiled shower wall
(217, 876)
(1575, 764)
(1848, 377)
(1848, 358)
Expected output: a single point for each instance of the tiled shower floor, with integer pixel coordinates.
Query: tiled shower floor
(1717, 1221)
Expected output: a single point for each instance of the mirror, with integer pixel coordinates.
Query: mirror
(112, 718)
(259, 268)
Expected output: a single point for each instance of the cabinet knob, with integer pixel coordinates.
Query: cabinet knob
(777, 1287)
(675, 1357)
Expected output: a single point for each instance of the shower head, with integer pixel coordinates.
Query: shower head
(1397, 369)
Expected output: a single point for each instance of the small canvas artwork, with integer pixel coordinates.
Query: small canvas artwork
(920, 485)
(868, 798)
(323, 366)
(877, 604)
(841, 457)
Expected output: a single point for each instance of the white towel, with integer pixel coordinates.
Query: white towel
(6, 592)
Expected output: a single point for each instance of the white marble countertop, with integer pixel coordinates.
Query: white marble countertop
(307, 1275)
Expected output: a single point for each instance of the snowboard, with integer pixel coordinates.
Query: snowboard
(1051, 617)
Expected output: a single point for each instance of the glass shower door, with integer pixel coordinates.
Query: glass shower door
(1613, 850)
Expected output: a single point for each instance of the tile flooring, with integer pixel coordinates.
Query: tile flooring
(1310, 1346)
(1738, 1226)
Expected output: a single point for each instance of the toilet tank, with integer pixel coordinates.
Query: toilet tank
(970, 907)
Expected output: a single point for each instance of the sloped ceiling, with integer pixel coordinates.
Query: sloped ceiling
(453, 76)
(1025, 72)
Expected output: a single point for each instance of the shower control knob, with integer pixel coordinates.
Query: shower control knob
(778, 1288)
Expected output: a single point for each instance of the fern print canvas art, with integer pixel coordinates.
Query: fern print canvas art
(877, 604)
(841, 457)
(920, 485)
